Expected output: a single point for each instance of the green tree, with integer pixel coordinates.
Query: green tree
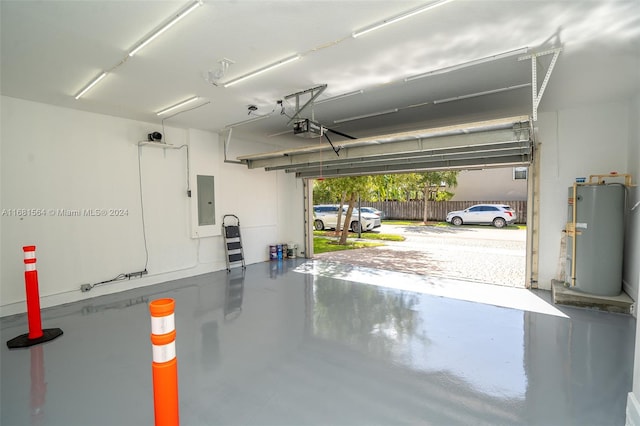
(352, 186)
(430, 186)
(322, 193)
(342, 190)
(434, 185)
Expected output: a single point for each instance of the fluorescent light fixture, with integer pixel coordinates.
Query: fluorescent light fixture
(250, 120)
(488, 92)
(373, 114)
(261, 70)
(166, 26)
(469, 63)
(178, 105)
(90, 85)
(397, 18)
(344, 95)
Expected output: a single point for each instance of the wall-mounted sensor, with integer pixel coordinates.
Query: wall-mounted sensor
(154, 137)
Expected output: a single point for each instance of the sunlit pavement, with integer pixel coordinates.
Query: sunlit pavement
(480, 254)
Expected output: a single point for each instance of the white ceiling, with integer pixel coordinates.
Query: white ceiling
(52, 49)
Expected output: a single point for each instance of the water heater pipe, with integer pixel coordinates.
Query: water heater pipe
(575, 234)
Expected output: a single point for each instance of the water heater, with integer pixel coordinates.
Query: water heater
(596, 222)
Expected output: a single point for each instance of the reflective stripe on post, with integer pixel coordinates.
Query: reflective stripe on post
(165, 363)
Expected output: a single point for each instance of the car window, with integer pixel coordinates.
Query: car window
(476, 209)
(491, 209)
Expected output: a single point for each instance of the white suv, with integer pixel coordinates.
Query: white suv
(326, 217)
(498, 215)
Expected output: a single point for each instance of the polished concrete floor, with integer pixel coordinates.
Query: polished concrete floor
(318, 343)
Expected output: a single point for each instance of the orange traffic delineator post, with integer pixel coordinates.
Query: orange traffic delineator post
(165, 362)
(36, 334)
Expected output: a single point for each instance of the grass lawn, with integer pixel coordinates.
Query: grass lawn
(365, 236)
(444, 224)
(402, 222)
(326, 241)
(509, 227)
(324, 245)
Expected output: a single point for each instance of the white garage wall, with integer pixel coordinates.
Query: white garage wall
(632, 253)
(272, 202)
(57, 159)
(575, 143)
(631, 276)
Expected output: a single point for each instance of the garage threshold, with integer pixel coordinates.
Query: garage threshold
(489, 294)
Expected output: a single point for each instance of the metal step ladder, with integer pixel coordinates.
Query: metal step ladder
(232, 241)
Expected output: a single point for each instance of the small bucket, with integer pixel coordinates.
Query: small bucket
(273, 253)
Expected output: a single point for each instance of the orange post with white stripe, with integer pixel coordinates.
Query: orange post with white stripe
(165, 362)
(33, 294)
(36, 334)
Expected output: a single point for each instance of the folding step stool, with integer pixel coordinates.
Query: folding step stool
(232, 242)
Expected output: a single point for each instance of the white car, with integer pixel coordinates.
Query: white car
(372, 210)
(498, 215)
(326, 217)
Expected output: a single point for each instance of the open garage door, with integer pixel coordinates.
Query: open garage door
(485, 144)
(495, 143)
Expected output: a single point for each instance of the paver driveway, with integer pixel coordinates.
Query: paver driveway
(484, 254)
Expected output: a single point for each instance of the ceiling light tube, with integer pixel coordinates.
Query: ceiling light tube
(344, 95)
(469, 63)
(261, 70)
(488, 92)
(373, 114)
(90, 85)
(250, 120)
(178, 105)
(166, 26)
(398, 18)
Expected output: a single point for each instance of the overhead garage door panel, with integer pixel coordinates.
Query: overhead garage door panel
(488, 143)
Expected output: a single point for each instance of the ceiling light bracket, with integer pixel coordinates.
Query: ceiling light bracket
(213, 76)
(536, 94)
(314, 92)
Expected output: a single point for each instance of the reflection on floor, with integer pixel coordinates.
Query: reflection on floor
(299, 342)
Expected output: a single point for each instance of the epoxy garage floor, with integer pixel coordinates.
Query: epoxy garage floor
(311, 342)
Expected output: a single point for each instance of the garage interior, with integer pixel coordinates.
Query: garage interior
(124, 143)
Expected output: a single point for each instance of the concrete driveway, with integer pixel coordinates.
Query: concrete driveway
(482, 254)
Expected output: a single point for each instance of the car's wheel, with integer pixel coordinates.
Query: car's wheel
(457, 221)
(318, 225)
(499, 222)
(355, 227)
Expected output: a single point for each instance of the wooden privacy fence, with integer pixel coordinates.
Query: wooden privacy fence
(413, 210)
